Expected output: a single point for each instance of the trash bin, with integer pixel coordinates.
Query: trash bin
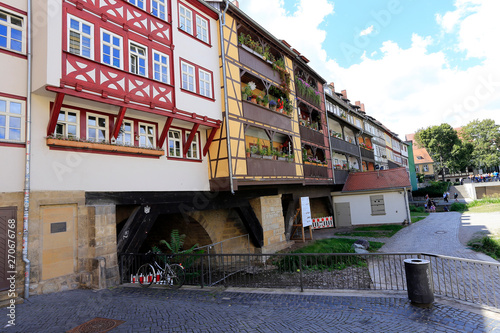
(419, 281)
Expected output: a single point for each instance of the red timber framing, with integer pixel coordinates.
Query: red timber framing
(190, 138)
(54, 113)
(164, 133)
(118, 123)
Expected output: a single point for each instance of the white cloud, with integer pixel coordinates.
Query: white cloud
(405, 89)
(367, 31)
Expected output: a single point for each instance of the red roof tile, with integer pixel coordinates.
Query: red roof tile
(377, 180)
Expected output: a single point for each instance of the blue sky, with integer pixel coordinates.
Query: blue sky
(413, 63)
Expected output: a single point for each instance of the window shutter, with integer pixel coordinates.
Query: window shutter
(377, 204)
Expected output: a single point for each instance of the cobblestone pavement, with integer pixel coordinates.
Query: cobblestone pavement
(195, 310)
(437, 234)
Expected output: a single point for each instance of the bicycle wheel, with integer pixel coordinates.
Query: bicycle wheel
(175, 276)
(146, 275)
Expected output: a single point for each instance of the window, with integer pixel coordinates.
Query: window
(358, 123)
(158, 8)
(425, 168)
(188, 77)
(186, 19)
(11, 32)
(111, 53)
(11, 120)
(126, 134)
(174, 143)
(138, 3)
(193, 149)
(67, 124)
(137, 59)
(97, 129)
(146, 136)
(80, 37)
(417, 168)
(160, 67)
(202, 29)
(205, 84)
(377, 204)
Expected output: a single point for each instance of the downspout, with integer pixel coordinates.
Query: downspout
(27, 177)
(222, 24)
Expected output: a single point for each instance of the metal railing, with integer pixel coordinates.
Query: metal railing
(463, 279)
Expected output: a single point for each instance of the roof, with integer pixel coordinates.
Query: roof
(420, 154)
(377, 180)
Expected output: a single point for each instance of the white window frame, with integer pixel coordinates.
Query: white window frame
(121, 139)
(194, 146)
(137, 57)
(204, 84)
(184, 18)
(81, 36)
(97, 127)
(65, 123)
(161, 66)
(9, 26)
(188, 77)
(139, 3)
(175, 140)
(112, 47)
(425, 168)
(201, 31)
(161, 4)
(149, 138)
(9, 115)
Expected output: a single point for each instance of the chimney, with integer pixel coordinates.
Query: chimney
(332, 86)
(357, 103)
(363, 107)
(236, 3)
(344, 94)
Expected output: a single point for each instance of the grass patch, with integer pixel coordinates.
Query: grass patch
(488, 208)
(418, 216)
(386, 230)
(487, 245)
(321, 263)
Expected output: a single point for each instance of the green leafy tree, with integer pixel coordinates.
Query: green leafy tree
(484, 137)
(444, 147)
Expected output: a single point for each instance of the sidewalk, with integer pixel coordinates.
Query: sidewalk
(216, 310)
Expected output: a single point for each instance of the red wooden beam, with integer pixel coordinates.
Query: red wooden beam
(118, 122)
(190, 138)
(209, 141)
(54, 113)
(164, 133)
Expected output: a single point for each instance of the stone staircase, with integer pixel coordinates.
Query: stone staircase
(460, 189)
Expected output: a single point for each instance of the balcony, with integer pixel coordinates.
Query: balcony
(270, 168)
(342, 146)
(312, 136)
(253, 60)
(315, 171)
(367, 154)
(264, 115)
(340, 176)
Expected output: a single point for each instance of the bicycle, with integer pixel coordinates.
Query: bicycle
(172, 275)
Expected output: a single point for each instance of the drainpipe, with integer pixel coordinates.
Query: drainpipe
(222, 24)
(27, 177)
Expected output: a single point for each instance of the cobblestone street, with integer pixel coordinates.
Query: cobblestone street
(195, 310)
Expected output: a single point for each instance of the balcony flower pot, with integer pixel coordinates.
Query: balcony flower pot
(252, 155)
(281, 158)
(267, 157)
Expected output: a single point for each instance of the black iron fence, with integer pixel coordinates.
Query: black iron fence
(468, 280)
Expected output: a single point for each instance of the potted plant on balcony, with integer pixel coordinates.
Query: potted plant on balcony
(279, 106)
(282, 156)
(248, 153)
(265, 101)
(314, 126)
(266, 154)
(246, 93)
(259, 100)
(291, 157)
(272, 105)
(254, 152)
(254, 98)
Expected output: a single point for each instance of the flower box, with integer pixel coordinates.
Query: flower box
(53, 142)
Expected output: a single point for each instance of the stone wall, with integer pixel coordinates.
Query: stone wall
(269, 211)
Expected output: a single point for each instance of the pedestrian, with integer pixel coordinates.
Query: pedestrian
(455, 196)
(445, 197)
(461, 181)
(446, 209)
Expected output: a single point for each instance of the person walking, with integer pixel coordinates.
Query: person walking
(455, 196)
(445, 197)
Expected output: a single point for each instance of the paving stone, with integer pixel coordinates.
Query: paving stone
(194, 310)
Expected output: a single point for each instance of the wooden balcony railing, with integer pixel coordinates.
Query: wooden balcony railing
(255, 61)
(367, 154)
(315, 171)
(265, 167)
(340, 176)
(264, 115)
(312, 136)
(342, 146)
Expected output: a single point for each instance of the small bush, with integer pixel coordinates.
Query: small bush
(493, 199)
(458, 207)
(488, 246)
(435, 189)
(416, 209)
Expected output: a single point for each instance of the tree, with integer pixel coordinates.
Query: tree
(444, 147)
(484, 136)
